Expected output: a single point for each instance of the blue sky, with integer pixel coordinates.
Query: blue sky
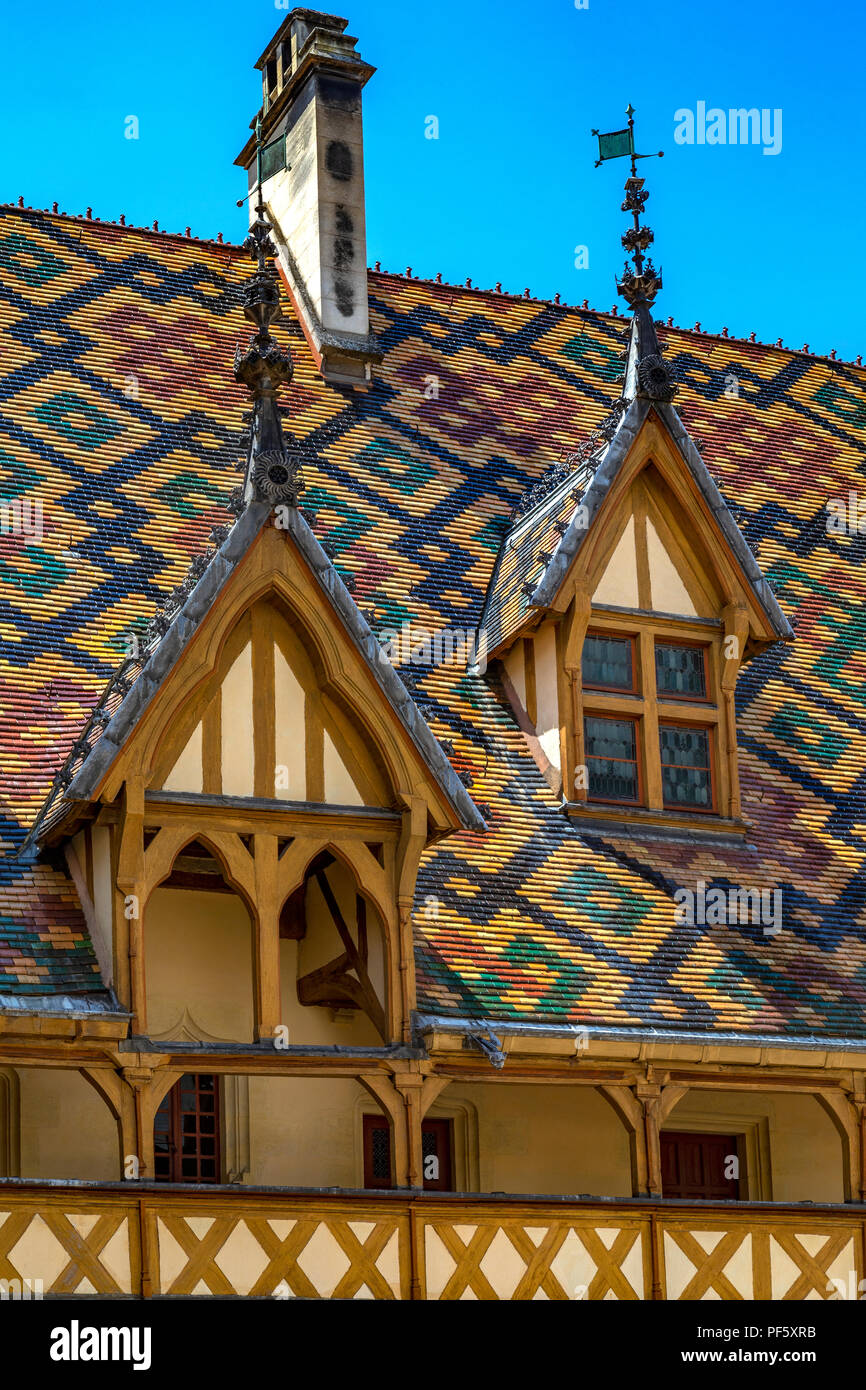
(750, 241)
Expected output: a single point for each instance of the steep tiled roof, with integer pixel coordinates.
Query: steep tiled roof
(118, 411)
(529, 543)
(44, 945)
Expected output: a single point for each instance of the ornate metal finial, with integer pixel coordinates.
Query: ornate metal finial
(640, 281)
(271, 470)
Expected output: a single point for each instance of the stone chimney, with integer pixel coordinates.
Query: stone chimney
(312, 79)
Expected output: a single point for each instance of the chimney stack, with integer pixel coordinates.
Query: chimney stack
(312, 79)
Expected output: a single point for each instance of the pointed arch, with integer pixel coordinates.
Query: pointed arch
(356, 970)
(271, 721)
(369, 875)
(234, 859)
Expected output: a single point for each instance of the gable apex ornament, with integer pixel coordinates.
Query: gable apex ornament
(271, 471)
(276, 477)
(651, 377)
(655, 378)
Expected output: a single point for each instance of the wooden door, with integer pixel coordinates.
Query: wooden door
(694, 1166)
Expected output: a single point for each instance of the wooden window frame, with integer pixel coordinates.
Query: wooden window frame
(714, 712)
(665, 696)
(638, 748)
(709, 730)
(176, 1132)
(445, 1181)
(634, 688)
(371, 1123)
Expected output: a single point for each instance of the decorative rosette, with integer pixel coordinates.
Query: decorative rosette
(656, 378)
(275, 477)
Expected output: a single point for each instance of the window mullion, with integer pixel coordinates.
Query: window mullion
(650, 722)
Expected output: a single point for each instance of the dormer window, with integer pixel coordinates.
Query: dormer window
(621, 661)
(631, 684)
(681, 671)
(608, 662)
(687, 767)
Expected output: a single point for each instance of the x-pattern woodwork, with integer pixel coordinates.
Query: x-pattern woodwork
(814, 1268)
(609, 1276)
(283, 1255)
(83, 1251)
(469, 1256)
(709, 1272)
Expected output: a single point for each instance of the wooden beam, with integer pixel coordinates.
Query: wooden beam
(529, 679)
(644, 590)
(649, 725)
(245, 815)
(630, 1111)
(401, 942)
(846, 1122)
(334, 976)
(129, 899)
(314, 736)
(736, 620)
(410, 1084)
(264, 709)
(650, 1099)
(384, 1092)
(266, 927)
(212, 747)
(575, 781)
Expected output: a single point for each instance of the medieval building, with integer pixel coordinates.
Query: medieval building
(431, 766)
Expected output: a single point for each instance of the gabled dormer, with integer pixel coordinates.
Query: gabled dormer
(245, 813)
(623, 605)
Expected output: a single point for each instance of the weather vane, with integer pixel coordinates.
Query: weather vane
(641, 283)
(617, 143)
(270, 160)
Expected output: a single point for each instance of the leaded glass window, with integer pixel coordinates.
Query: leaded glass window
(436, 1151)
(611, 758)
(608, 662)
(681, 672)
(686, 771)
(380, 1156)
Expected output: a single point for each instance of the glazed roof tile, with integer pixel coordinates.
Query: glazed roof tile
(119, 414)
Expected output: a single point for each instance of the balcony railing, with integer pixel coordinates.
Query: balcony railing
(92, 1239)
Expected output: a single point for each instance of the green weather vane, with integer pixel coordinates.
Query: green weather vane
(617, 143)
(270, 160)
(639, 283)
